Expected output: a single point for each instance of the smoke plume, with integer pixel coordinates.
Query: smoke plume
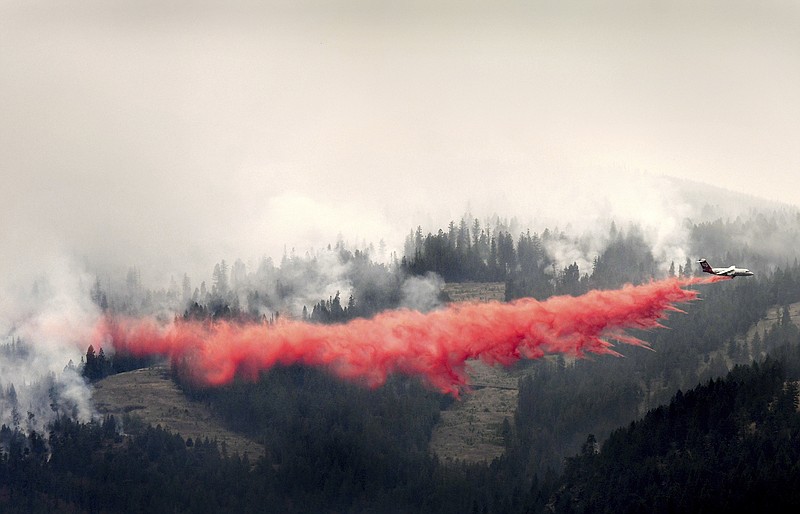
(434, 346)
(43, 333)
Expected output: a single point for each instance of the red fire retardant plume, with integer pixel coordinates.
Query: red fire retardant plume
(434, 345)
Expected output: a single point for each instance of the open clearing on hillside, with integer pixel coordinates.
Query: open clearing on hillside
(475, 291)
(150, 395)
(471, 428)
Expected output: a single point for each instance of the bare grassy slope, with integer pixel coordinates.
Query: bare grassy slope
(470, 429)
(150, 395)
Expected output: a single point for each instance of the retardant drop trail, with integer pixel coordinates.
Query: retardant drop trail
(434, 345)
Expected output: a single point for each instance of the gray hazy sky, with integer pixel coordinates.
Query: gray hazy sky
(166, 132)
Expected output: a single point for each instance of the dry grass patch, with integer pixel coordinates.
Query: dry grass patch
(151, 396)
(471, 428)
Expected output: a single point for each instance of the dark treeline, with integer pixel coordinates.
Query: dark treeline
(731, 445)
(481, 254)
(92, 468)
(526, 264)
(96, 365)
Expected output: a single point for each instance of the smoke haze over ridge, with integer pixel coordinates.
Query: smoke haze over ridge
(168, 136)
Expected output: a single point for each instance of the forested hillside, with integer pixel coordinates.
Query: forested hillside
(732, 444)
(338, 446)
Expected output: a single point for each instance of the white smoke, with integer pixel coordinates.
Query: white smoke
(44, 331)
(583, 213)
(309, 280)
(422, 293)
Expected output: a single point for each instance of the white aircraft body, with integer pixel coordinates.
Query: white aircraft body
(730, 271)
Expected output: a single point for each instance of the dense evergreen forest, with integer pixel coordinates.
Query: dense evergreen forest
(338, 447)
(729, 445)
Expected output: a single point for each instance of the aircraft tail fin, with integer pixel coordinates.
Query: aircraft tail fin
(706, 266)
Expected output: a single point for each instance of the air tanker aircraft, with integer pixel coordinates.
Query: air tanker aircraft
(731, 271)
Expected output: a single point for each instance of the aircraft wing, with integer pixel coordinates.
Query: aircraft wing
(728, 271)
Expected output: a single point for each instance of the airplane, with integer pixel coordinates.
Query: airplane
(731, 271)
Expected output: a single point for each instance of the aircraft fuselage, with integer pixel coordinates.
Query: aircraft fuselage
(730, 271)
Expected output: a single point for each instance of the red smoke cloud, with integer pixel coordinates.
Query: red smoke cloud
(434, 346)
